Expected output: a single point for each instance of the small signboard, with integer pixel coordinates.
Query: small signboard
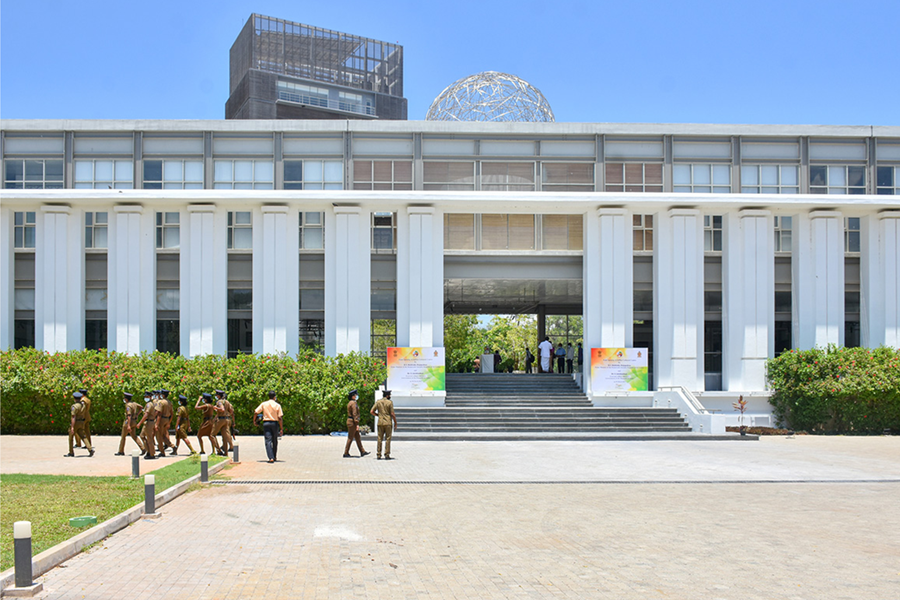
(619, 369)
(415, 369)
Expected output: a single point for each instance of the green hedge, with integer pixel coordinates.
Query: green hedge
(837, 390)
(36, 387)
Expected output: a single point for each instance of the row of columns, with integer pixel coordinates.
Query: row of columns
(747, 289)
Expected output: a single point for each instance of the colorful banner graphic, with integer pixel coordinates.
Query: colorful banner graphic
(619, 369)
(415, 369)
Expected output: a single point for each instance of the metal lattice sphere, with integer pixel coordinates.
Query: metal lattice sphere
(491, 96)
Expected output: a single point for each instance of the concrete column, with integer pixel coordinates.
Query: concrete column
(7, 280)
(608, 281)
(818, 280)
(348, 281)
(204, 281)
(131, 293)
(420, 277)
(59, 280)
(880, 272)
(276, 293)
(678, 299)
(748, 296)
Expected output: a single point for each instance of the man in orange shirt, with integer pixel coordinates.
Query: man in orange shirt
(273, 424)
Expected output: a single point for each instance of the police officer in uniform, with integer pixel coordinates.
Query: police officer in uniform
(76, 426)
(165, 419)
(353, 425)
(206, 406)
(148, 421)
(87, 419)
(384, 410)
(222, 424)
(132, 409)
(182, 426)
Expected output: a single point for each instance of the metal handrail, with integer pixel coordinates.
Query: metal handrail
(353, 107)
(691, 398)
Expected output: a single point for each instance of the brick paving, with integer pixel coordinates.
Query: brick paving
(807, 518)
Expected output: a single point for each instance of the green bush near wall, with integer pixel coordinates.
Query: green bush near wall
(36, 387)
(837, 390)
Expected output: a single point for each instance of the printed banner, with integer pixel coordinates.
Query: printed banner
(619, 369)
(415, 369)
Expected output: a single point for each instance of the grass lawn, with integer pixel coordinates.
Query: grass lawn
(49, 501)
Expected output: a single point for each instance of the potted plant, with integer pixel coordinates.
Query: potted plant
(741, 406)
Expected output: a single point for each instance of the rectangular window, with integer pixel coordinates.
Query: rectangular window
(634, 177)
(244, 175)
(383, 336)
(33, 174)
(313, 175)
(643, 232)
(24, 230)
(172, 174)
(312, 231)
(837, 179)
(459, 232)
(384, 232)
(770, 179)
(702, 179)
(240, 230)
(851, 235)
(567, 177)
(96, 230)
(712, 233)
(240, 337)
(103, 174)
(507, 232)
(562, 232)
(783, 234)
(447, 175)
(382, 175)
(302, 94)
(168, 230)
(507, 176)
(888, 180)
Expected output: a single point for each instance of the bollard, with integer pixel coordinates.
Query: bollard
(149, 494)
(135, 464)
(235, 457)
(22, 545)
(204, 468)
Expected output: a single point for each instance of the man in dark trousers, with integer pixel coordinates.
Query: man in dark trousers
(387, 422)
(353, 425)
(273, 424)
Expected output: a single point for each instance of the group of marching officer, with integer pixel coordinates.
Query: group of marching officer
(152, 421)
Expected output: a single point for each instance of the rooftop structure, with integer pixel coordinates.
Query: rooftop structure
(491, 96)
(285, 70)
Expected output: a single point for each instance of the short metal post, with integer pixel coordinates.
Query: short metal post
(22, 550)
(149, 494)
(204, 468)
(135, 464)
(235, 457)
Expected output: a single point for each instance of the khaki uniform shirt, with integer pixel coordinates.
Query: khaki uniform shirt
(165, 408)
(353, 411)
(87, 409)
(150, 410)
(78, 412)
(183, 417)
(132, 412)
(384, 408)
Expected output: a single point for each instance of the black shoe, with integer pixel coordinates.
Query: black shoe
(149, 457)
(173, 453)
(388, 458)
(345, 456)
(161, 455)
(69, 455)
(90, 452)
(378, 457)
(120, 454)
(364, 454)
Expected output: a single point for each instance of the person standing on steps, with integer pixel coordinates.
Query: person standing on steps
(545, 349)
(273, 424)
(353, 425)
(580, 354)
(387, 422)
(560, 358)
(570, 357)
(129, 425)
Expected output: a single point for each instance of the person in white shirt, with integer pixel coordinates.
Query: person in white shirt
(545, 349)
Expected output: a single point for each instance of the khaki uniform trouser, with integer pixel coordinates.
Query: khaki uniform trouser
(384, 433)
(222, 427)
(162, 434)
(149, 437)
(353, 436)
(133, 435)
(79, 439)
(78, 431)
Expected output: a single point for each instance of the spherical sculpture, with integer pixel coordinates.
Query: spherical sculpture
(491, 96)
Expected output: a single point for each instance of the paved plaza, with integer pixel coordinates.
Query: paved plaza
(803, 518)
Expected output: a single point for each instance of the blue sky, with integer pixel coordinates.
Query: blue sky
(694, 61)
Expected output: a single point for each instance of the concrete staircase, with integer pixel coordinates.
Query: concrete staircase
(504, 406)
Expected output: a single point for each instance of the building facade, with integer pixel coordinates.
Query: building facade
(715, 246)
(285, 70)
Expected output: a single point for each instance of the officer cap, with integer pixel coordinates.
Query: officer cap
(220, 391)
(83, 391)
(207, 396)
(387, 393)
(78, 395)
(147, 394)
(182, 398)
(127, 396)
(352, 393)
(165, 393)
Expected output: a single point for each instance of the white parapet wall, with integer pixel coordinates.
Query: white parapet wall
(758, 414)
(681, 399)
(424, 399)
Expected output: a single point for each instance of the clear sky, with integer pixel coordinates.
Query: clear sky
(695, 61)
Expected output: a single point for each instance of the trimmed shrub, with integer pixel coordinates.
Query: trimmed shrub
(36, 387)
(837, 390)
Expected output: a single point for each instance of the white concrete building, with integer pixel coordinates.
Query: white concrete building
(716, 246)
